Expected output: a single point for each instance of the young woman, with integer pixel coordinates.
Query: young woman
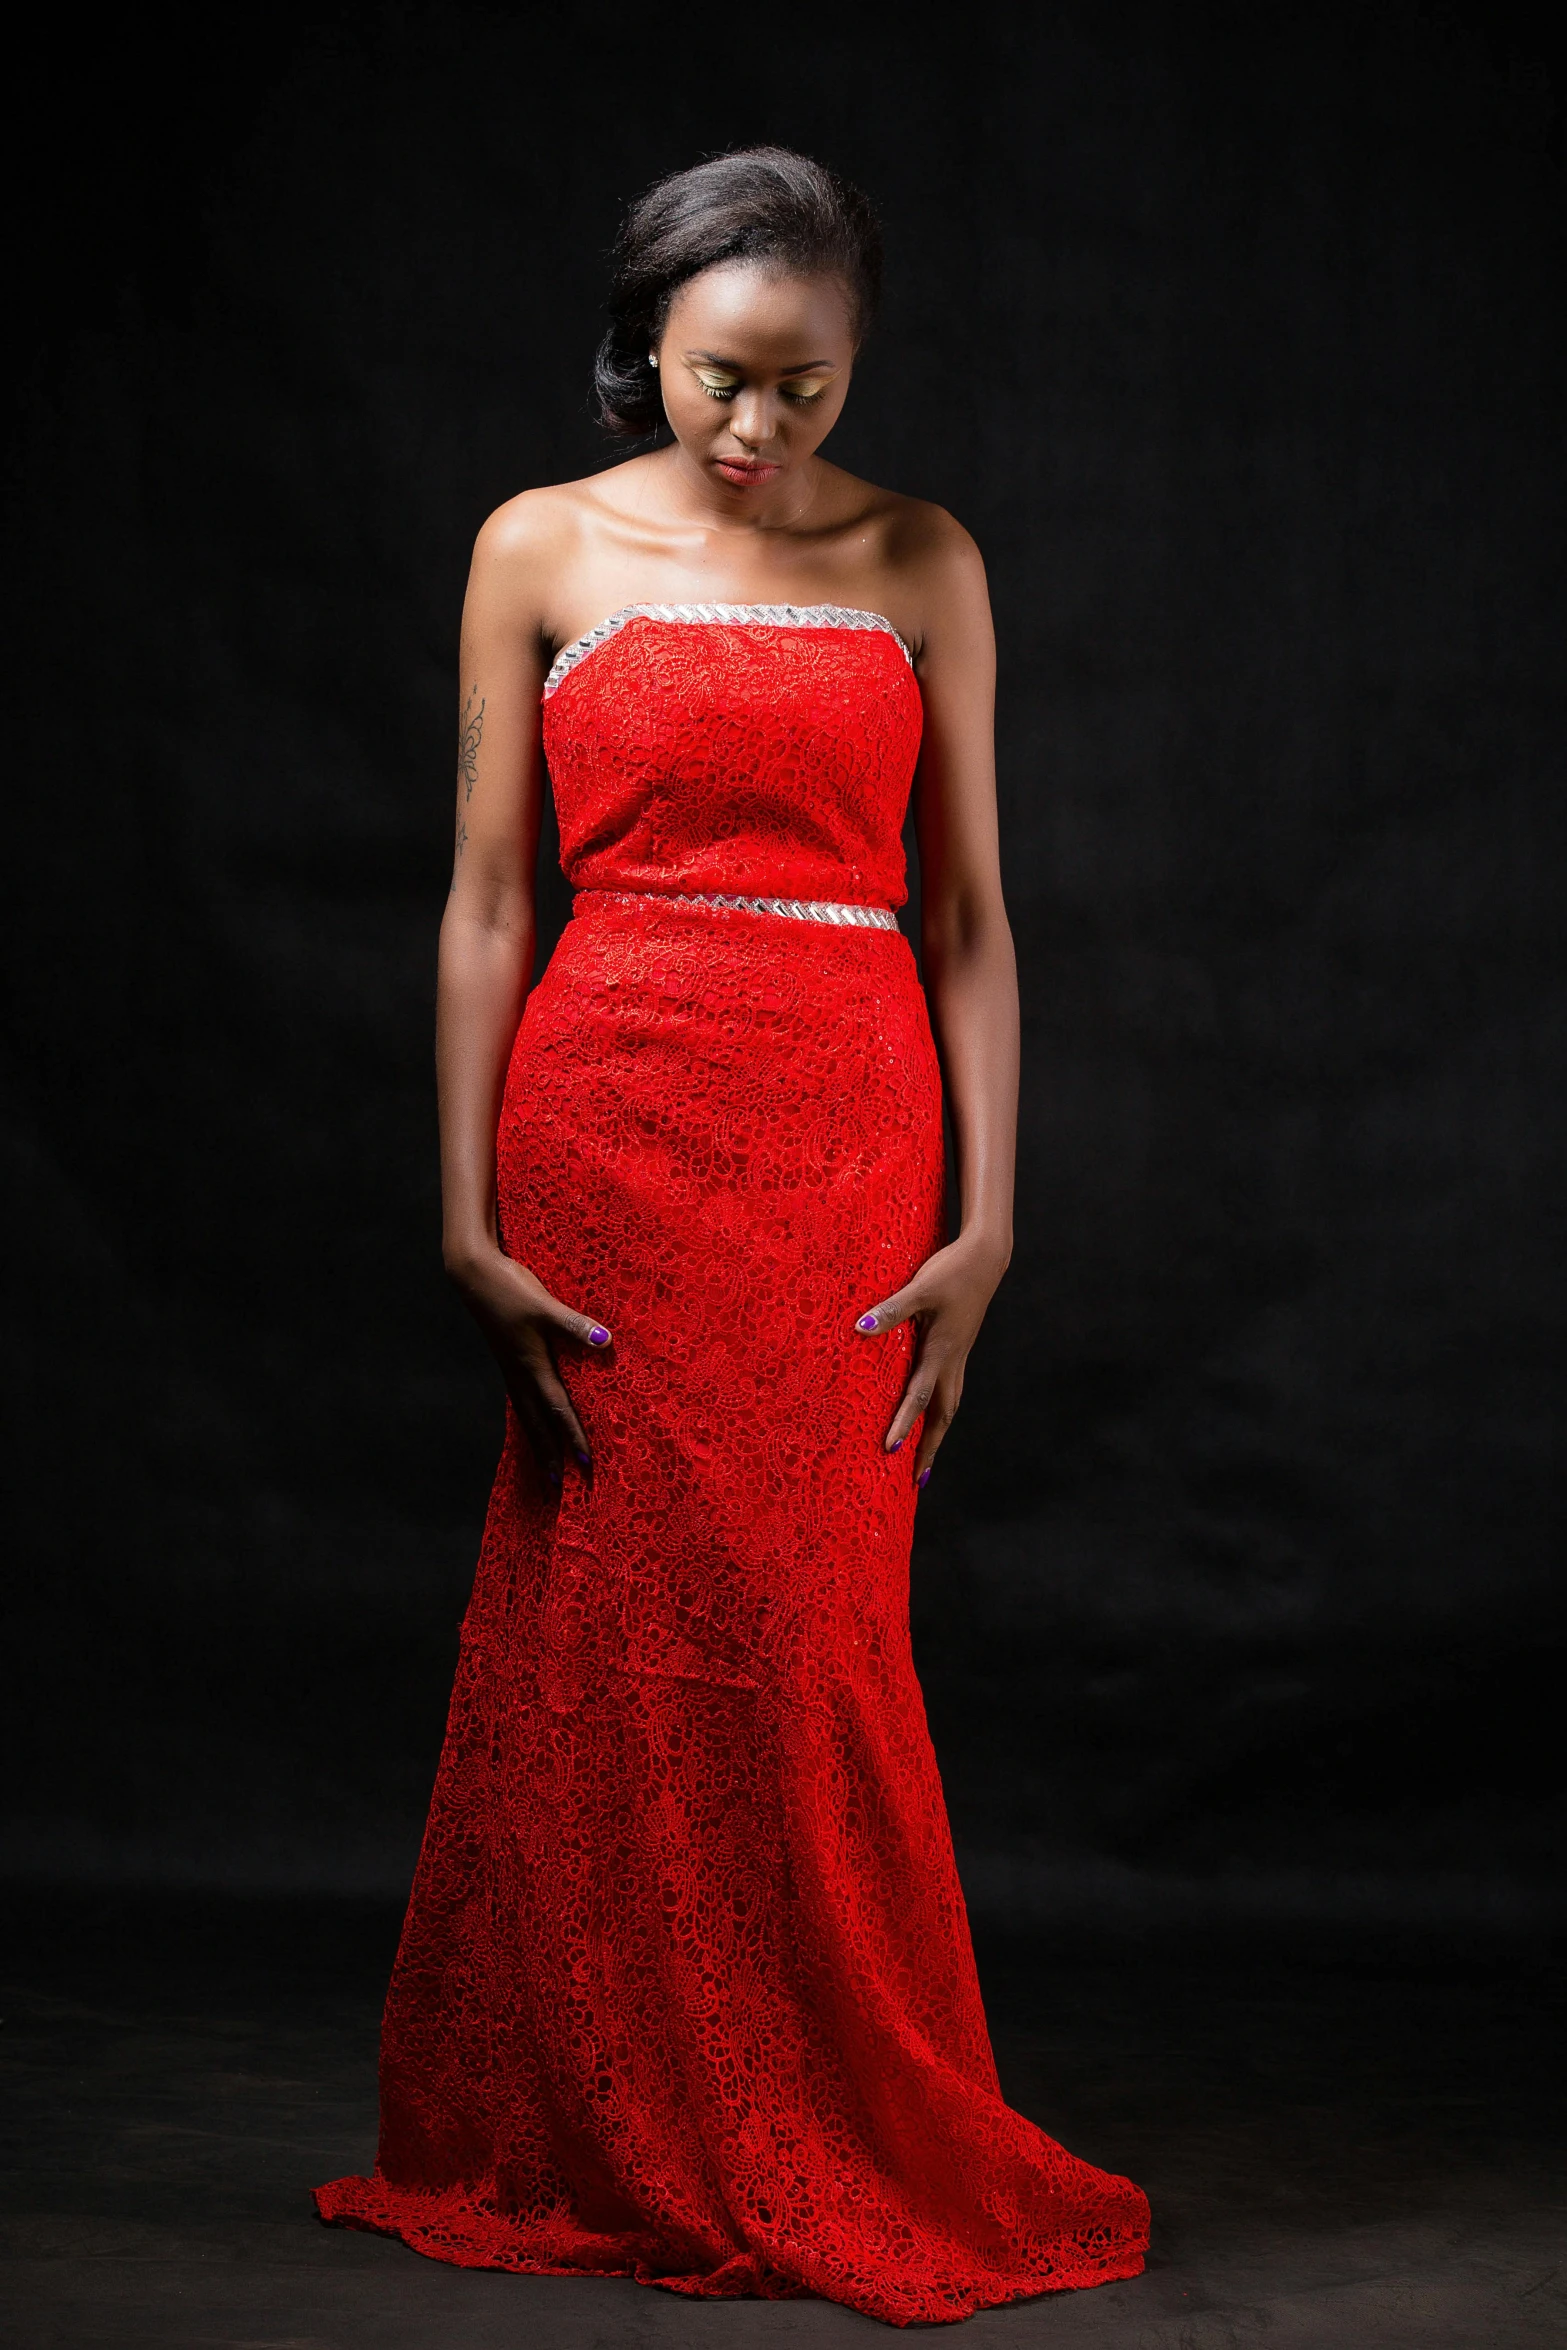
(685, 1990)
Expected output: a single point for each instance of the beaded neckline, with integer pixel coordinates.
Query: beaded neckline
(753, 615)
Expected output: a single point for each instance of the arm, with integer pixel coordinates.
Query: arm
(970, 975)
(486, 961)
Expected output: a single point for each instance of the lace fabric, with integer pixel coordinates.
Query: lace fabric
(685, 1990)
(736, 757)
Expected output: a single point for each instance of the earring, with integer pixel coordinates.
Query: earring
(652, 358)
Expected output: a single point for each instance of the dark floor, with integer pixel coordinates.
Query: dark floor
(1347, 2151)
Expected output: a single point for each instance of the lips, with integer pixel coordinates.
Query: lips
(744, 476)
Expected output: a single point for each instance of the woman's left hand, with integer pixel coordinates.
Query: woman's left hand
(946, 1299)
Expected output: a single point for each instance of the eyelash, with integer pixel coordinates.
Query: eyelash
(728, 391)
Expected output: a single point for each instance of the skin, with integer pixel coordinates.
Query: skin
(755, 367)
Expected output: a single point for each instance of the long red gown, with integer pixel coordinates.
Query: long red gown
(685, 1990)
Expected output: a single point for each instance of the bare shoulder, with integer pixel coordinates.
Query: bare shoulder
(528, 543)
(553, 515)
(533, 529)
(931, 549)
(525, 548)
(925, 552)
(935, 576)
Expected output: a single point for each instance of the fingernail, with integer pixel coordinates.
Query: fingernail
(923, 1478)
(583, 1461)
(898, 1447)
(554, 1474)
(597, 1334)
(866, 1322)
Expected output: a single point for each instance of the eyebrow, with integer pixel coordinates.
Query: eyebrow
(804, 366)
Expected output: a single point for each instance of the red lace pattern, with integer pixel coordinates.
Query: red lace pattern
(686, 1991)
(742, 756)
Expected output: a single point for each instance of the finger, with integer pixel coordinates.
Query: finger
(567, 1428)
(586, 1329)
(558, 1413)
(938, 1420)
(895, 1309)
(931, 1435)
(542, 1437)
(915, 1399)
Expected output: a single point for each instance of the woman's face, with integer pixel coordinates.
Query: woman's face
(754, 367)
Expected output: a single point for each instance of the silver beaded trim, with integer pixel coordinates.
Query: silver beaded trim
(846, 917)
(746, 615)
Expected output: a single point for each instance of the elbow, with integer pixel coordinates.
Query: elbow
(492, 912)
(476, 926)
(964, 928)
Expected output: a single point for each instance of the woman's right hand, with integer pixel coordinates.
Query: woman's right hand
(524, 1324)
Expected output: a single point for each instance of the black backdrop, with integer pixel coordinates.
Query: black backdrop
(1237, 340)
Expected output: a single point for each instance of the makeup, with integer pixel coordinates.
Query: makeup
(746, 477)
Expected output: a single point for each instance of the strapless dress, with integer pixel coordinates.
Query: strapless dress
(686, 1990)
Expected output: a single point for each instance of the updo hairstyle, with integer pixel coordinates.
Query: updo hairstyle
(759, 204)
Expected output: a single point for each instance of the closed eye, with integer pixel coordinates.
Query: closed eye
(719, 384)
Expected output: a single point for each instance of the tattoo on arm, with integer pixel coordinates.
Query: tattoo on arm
(470, 735)
(462, 843)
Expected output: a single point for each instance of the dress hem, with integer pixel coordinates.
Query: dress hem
(745, 2276)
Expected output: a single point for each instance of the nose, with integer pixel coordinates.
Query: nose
(750, 421)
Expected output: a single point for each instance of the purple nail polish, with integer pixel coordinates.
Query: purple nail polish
(866, 1322)
(597, 1334)
(898, 1447)
(583, 1461)
(923, 1478)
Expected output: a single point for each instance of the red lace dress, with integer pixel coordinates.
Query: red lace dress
(685, 1990)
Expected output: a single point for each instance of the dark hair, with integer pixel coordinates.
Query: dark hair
(758, 204)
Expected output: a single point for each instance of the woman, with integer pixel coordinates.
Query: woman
(685, 1990)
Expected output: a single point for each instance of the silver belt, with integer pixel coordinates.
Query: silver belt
(846, 917)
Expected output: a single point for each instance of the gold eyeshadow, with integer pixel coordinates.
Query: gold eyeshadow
(720, 384)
